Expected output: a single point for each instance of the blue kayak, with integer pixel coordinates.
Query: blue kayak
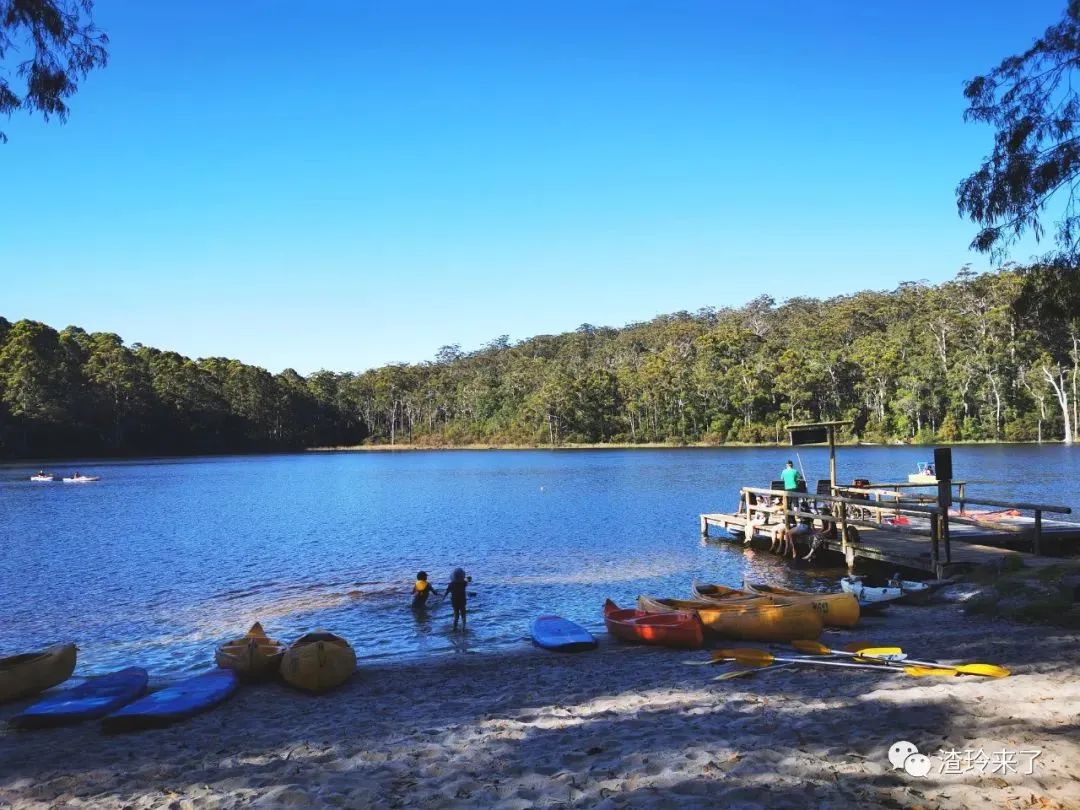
(87, 701)
(557, 633)
(177, 702)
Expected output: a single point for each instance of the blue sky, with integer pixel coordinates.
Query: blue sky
(347, 184)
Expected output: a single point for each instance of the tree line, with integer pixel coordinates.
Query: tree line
(994, 356)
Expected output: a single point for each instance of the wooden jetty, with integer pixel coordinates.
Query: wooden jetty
(897, 523)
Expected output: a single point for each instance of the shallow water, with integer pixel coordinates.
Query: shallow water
(162, 559)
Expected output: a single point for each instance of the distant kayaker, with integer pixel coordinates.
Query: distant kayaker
(422, 591)
(458, 583)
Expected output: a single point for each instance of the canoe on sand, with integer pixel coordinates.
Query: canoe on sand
(318, 661)
(837, 609)
(666, 629)
(747, 621)
(253, 656)
(30, 673)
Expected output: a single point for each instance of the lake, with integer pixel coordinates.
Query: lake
(162, 559)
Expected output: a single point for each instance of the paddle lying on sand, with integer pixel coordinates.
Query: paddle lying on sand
(753, 657)
(738, 673)
(895, 654)
(861, 651)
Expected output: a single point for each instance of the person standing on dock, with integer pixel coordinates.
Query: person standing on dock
(790, 478)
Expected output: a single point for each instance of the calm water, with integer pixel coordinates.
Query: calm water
(163, 559)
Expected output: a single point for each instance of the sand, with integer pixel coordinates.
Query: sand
(623, 726)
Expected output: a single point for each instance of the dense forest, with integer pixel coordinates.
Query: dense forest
(982, 357)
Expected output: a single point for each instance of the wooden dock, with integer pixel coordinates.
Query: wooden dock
(896, 530)
(910, 550)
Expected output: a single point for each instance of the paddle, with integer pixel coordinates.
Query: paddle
(738, 673)
(893, 654)
(862, 650)
(760, 658)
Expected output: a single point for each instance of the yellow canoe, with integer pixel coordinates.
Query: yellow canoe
(758, 620)
(837, 609)
(318, 661)
(253, 656)
(30, 673)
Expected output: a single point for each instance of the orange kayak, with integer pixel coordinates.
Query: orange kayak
(669, 629)
(752, 620)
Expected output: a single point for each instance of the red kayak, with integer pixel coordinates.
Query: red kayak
(678, 628)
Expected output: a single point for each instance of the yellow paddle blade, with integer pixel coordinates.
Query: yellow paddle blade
(747, 655)
(986, 670)
(811, 647)
(922, 672)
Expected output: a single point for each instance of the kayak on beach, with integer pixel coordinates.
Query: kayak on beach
(318, 661)
(177, 702)
(668, 629)
(762, 620)
(837, 609)
(559, 634)
(30, 673)
(252, 656)
(95, 698)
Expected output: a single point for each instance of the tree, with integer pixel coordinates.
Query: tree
(1031, 102)
(62, 45)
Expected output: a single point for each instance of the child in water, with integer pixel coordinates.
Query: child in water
(422, 591)
(456, 589)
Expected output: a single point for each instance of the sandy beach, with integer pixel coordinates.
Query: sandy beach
(623, 726)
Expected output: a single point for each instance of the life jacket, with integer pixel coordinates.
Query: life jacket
(421, 585)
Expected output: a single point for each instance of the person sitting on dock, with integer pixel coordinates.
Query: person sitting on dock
(784, 538)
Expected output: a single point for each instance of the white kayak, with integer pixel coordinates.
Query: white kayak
(82, 479)
(905, 590)
(42, 477)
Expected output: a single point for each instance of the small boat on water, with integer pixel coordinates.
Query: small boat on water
(253, 656)
(837, 609)
(94, 698)
(79, 478)
(318, 661)
(561, 635)
(176, 702)
(747, 620)
(30, 673)
(672, 628)
(924, 475)
(43, 477)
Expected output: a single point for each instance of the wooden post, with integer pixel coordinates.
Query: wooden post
(1038, 531)
(832, 460)
(960, 492)
(843, 527)
(787, 506)
(935, 535)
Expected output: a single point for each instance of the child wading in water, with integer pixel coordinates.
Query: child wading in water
(422, 591)
(456, 589)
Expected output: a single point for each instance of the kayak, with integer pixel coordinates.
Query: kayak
(30, 673)
(707, 590)
(43, 477)
(318, 661)
(81, 479)
(837, 609)
(562, 635)
(669, 629)
(907, 591)
(179, 701)
(87, 701)
(253, 656)
(762, 620)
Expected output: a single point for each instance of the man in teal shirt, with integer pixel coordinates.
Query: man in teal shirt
(790, 476)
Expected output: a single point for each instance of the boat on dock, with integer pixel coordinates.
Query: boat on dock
(753, 620)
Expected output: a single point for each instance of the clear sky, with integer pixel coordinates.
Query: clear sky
(351, 183)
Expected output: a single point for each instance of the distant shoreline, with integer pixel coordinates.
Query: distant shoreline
(407, 447)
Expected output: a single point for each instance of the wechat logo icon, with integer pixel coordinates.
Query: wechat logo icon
(905, 756)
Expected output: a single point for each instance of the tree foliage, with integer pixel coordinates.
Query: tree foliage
(1031, 103)
(982, 357)
(46, 48)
